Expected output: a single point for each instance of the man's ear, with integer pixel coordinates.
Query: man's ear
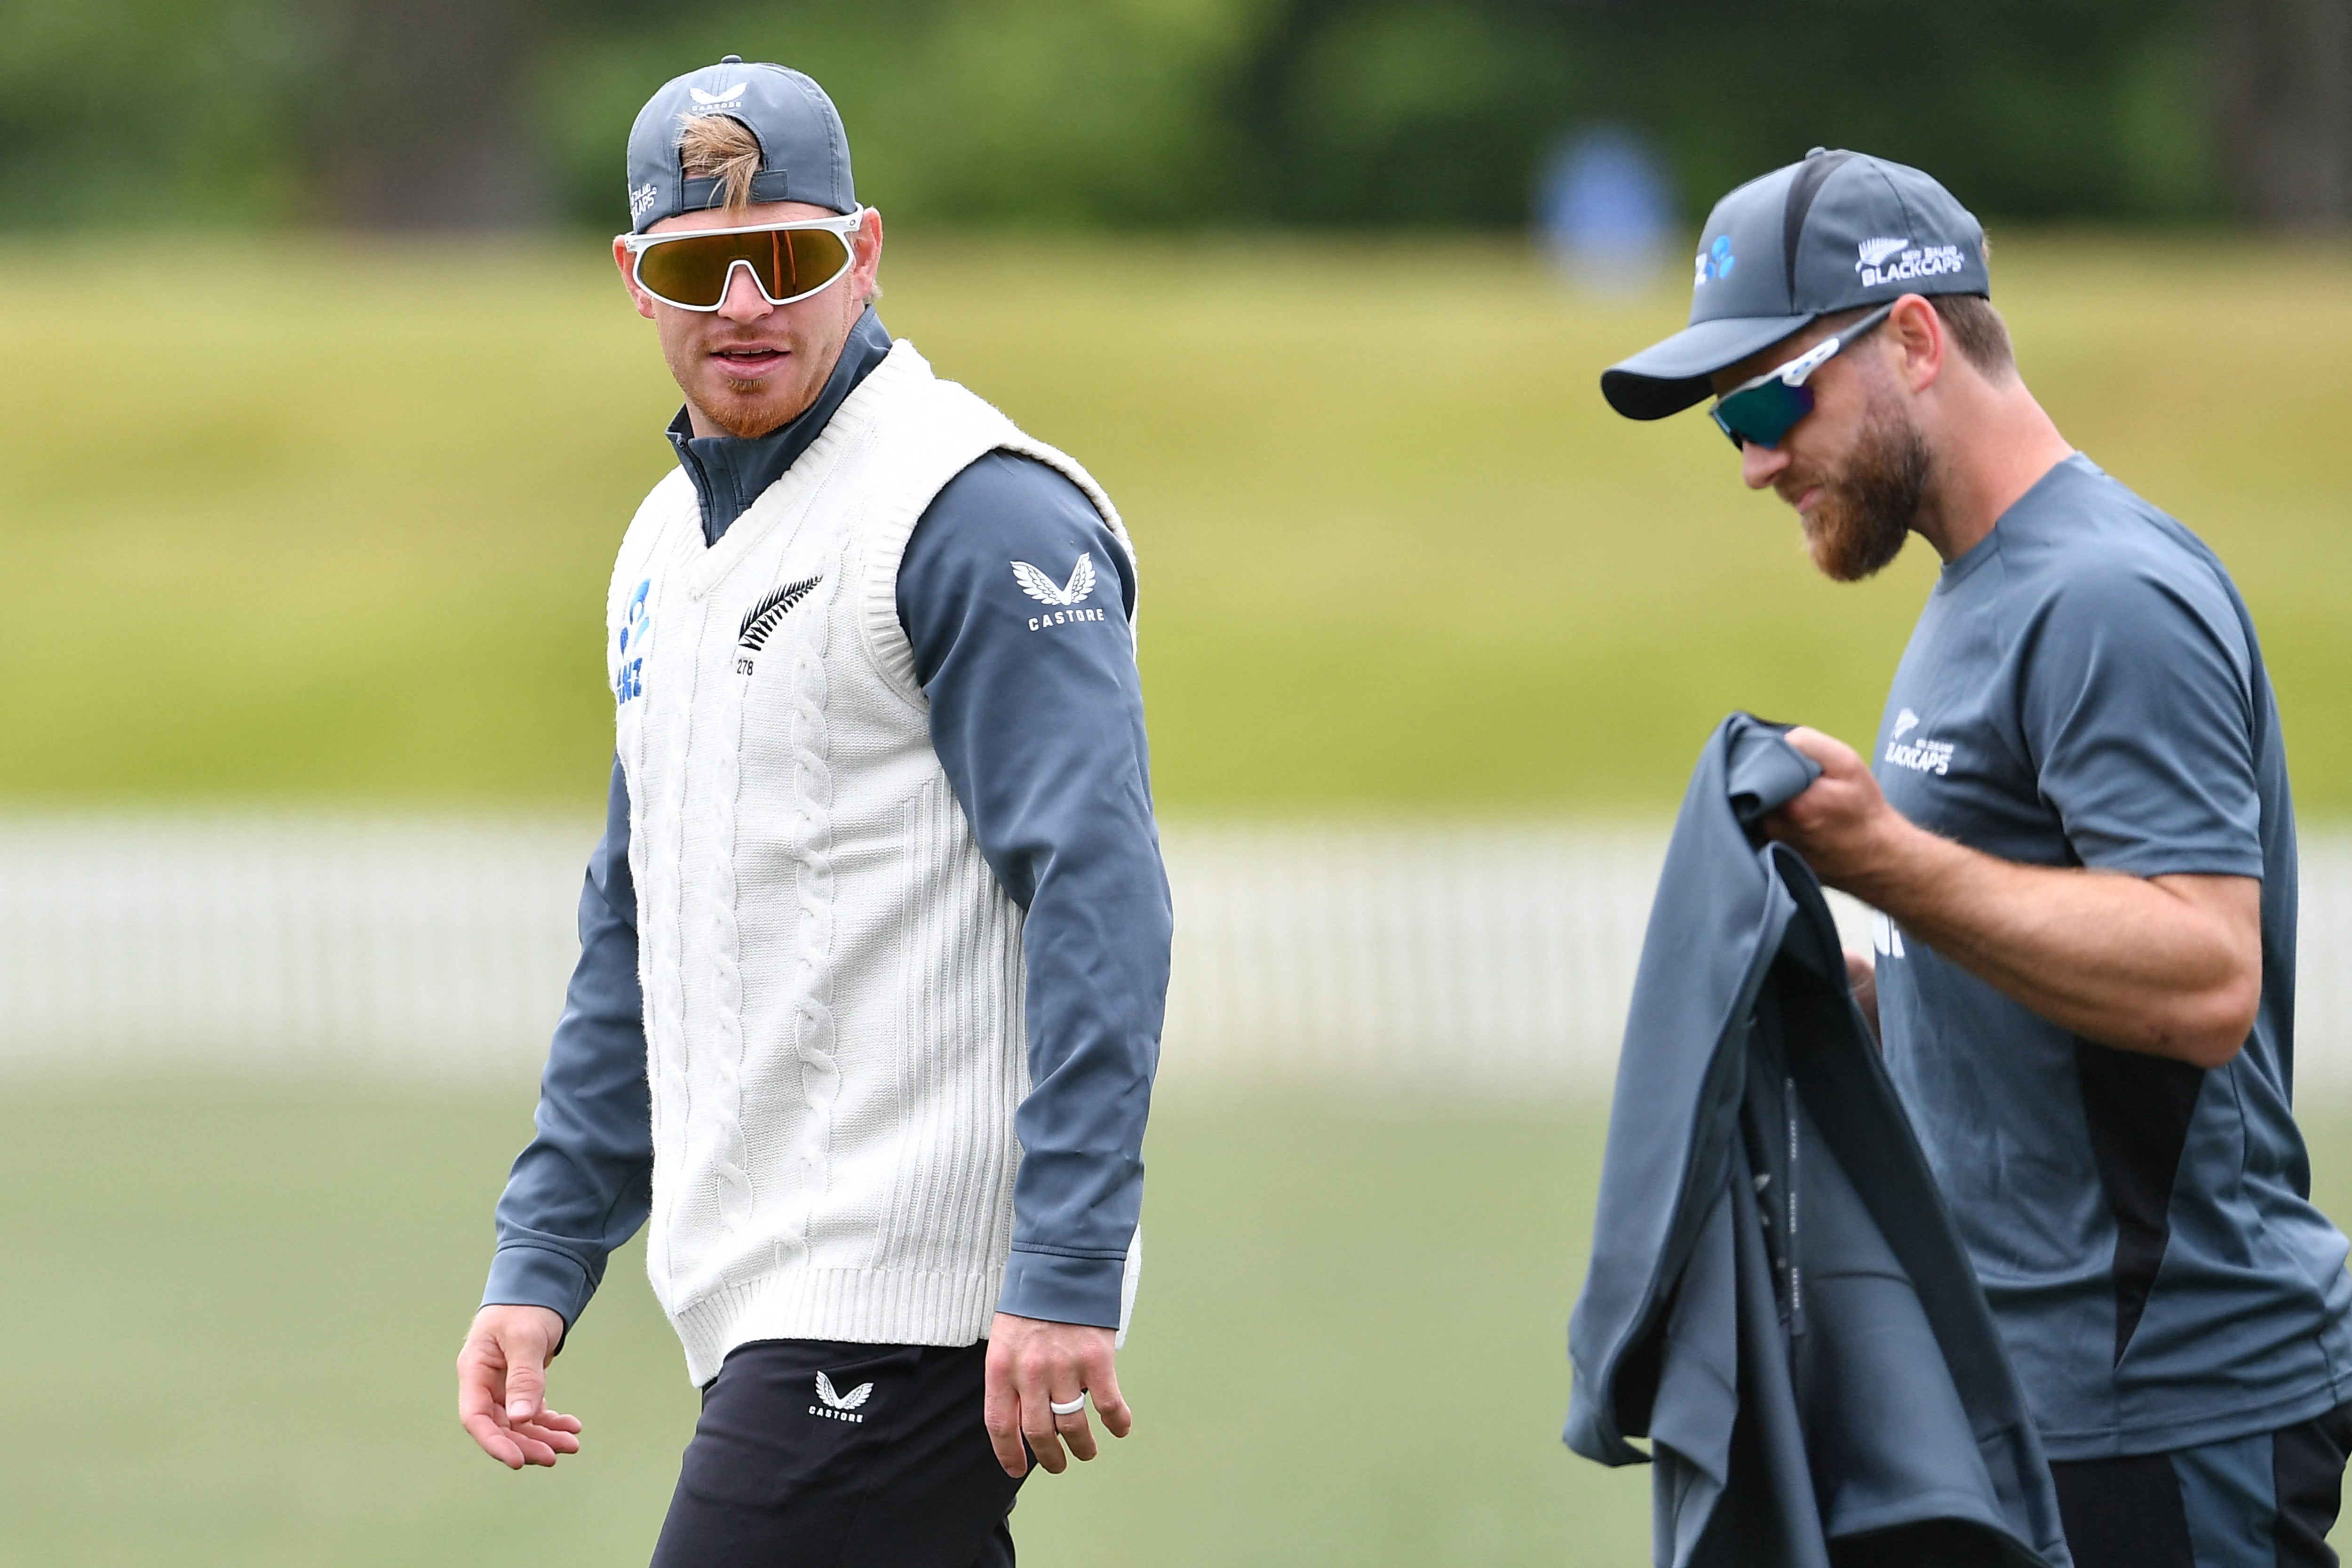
(868, 251)
(1916, 335)
(637, 296)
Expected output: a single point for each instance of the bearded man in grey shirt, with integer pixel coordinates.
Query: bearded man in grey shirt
(2080, 833)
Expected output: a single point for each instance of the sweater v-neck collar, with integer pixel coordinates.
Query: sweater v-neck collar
(786, 502)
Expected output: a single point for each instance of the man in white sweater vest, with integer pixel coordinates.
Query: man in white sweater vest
(874, 952)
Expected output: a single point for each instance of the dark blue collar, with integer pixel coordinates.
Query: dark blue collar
(731, 471)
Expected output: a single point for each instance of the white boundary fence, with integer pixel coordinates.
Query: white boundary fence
(1392, 959)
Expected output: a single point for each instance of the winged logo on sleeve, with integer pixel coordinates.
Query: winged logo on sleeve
(1045, 591)
(850, 1401)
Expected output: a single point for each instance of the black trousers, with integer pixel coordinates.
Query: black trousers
(2264, 1502)
(818, 1453)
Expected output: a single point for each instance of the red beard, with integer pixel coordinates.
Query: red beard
(1866, 513)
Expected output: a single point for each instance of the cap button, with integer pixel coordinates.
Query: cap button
(1815, 151)
(738, 60)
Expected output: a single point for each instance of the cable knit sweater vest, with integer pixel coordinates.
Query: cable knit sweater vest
(833, 976)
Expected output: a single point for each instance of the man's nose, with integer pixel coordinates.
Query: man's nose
(1760, 465)
(743, 302)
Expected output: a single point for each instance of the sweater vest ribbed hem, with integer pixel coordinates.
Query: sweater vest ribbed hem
(860, 1306)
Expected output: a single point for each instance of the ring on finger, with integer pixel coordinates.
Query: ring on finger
(1068, 1406)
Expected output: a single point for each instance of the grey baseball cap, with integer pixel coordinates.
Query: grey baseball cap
(1837, 230)
(804, 151)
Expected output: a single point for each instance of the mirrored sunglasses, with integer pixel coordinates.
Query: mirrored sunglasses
(787, 262)
(1764, 410)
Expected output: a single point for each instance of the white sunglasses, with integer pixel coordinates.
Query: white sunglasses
(787, 262)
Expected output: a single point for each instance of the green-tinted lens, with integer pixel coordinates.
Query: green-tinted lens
(789, 263)
(1764, 413)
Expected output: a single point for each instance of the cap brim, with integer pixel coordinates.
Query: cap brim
(1668, 377)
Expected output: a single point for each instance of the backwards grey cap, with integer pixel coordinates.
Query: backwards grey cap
(1838, 230)
(804, 151)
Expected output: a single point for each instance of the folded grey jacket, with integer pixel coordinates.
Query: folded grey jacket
(1775, 1297)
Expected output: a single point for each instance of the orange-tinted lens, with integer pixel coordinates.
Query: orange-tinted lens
(692, 270)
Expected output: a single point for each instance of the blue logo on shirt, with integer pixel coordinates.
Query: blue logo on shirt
(1717, 262)
(637, 631)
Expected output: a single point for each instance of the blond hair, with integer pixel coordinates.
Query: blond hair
(721, 147)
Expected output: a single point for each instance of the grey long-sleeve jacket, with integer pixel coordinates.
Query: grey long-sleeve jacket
(1777, 1298)
(1062, 811)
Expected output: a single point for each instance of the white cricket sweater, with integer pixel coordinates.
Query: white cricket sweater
(833, 975)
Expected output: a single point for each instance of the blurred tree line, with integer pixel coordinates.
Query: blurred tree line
(401, 114)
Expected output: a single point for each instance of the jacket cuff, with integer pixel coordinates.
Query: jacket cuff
(526, 1276)
(1059, 1289)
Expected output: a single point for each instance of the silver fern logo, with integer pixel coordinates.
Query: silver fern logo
(1875, 251)
(1905, 723)
(1062, 597)
(840, 1406)
(761, 621)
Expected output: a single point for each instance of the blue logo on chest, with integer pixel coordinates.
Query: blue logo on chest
(636, 632)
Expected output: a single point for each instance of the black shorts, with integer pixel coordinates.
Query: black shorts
(2264, 1501)
(817, 1454)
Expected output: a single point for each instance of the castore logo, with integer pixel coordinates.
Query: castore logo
(1045, 591)
(839, 1407)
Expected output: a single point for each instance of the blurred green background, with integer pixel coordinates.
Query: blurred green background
(324, 412)
(236, 1315)
(1171, 113)
(331, 521)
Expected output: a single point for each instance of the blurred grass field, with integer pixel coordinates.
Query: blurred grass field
(232, 1318)
(308, 520)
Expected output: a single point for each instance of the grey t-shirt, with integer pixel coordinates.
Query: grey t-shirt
(2084, 689)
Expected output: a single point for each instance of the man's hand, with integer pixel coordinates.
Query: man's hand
(502, 1387)
(1842, 824)
(1034, 1366)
